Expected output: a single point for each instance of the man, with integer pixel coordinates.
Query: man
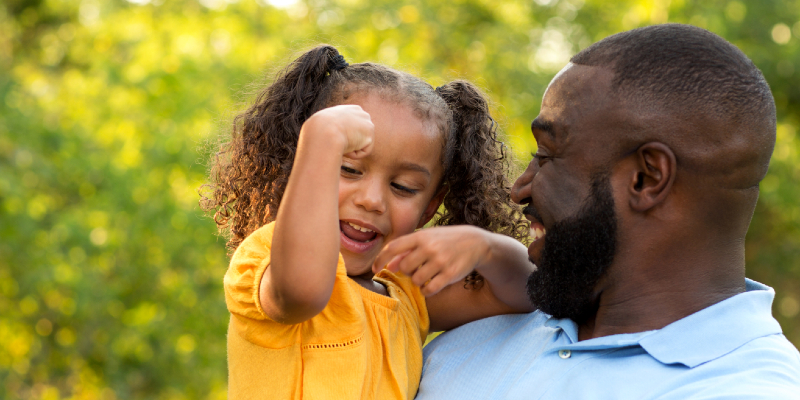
(651, 146)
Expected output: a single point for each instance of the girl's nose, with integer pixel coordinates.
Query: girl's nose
(370, 197)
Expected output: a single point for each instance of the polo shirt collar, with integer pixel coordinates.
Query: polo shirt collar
(717, 330)
(698, 338)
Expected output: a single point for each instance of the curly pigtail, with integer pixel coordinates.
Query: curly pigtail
(478, 187)
(245, 194)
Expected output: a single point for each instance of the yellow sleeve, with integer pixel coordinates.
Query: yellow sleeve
(241, 284)
(410, 297)
(244, 274)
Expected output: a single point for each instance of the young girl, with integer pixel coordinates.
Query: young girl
(372, 153)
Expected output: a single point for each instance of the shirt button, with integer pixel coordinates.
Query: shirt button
(565, 354)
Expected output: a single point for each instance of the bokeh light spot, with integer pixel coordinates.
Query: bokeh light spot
(789, 306)
(28, 305)
(282, 3)
(98, 236)
(185, 344)
(44, 327)
(735, 11)
(781, 33)
(65, 337)
(409, 14)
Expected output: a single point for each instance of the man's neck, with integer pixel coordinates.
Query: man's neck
(650, 301)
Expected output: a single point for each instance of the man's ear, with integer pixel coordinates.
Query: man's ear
(434, 204)
(653, 175)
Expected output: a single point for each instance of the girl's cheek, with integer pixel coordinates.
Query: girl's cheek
(418, 213)
(406, 220)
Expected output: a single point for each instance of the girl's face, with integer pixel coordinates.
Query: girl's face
(393, 190)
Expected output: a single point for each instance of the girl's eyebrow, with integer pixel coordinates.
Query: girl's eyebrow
(414, 167)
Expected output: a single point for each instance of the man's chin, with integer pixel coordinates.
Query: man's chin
(573, 256)
(557, 300)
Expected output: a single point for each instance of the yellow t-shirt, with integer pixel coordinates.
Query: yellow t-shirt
(362, 345)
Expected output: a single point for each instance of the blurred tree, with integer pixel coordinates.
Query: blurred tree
(110, 277)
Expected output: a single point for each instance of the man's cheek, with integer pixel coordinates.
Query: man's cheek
(552, 209)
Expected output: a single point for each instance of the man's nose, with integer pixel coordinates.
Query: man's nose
(370, 197)
(521, 191)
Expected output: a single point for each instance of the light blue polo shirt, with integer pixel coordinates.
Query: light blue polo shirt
(731, 350)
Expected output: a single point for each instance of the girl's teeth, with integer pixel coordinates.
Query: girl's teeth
(359, 228)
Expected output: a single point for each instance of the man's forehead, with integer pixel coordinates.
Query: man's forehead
(578, 91)
(581, 112)
(563, 70)
(581, 81)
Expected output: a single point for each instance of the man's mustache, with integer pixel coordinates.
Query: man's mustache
(530, 210)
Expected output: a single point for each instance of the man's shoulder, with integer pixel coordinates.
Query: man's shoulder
(500, 328)
(494, 337)
(770, 348)
(518, 355)
(771, 356)
(764, 368)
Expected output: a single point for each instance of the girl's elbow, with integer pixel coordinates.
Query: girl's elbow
(291, 308)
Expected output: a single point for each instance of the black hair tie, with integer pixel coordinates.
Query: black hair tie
(337, 63)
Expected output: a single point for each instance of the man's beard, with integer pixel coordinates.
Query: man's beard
(577, 252)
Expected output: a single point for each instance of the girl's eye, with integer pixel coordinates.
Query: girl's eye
(349, 170)
(404, 189)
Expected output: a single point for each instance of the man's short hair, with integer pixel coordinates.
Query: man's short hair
(685, 68)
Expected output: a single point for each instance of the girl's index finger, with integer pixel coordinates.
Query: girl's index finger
(400, 246)
(391, 265)
(394, 265)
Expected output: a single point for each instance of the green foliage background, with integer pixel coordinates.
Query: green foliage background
(110, 276)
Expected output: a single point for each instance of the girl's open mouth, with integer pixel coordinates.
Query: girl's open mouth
(357, 238)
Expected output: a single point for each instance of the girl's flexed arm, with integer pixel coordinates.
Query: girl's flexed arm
(439, 258)
(305, 247)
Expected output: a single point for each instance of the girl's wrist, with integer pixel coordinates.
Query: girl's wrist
(489, 246)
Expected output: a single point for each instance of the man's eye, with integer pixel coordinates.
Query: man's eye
(404, 189)
(540, 158)
(349, 170)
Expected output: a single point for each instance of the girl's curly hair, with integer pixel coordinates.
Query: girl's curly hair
(249, 172)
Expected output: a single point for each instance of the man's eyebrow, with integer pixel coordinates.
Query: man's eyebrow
(409, 166)
(544, 126)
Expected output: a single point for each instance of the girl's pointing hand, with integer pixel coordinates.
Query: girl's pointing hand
(436, 257)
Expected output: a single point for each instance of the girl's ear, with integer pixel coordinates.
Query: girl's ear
(432, 207)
